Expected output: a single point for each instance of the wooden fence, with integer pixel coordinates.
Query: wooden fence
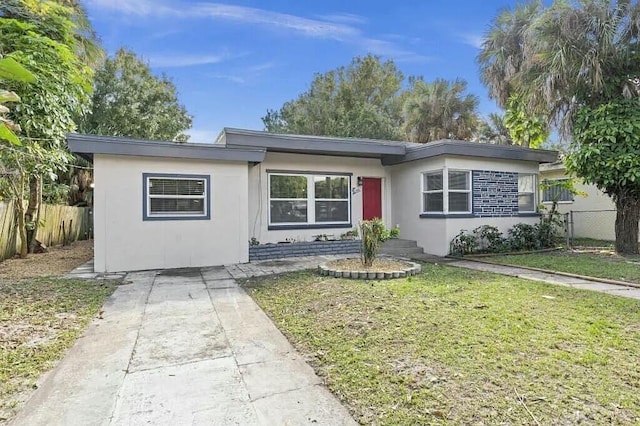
(58, 223)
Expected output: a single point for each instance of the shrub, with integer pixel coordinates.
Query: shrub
(490, 239)
(523, 237)
(373, 234)
(463, 243)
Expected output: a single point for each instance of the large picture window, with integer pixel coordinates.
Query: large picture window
(526, 193)
(446, 191)
(168, 197)
(309, 199)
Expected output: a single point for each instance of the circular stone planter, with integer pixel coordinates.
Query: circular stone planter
(410, 269)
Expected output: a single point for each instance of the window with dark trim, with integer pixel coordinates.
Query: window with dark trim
(446, 191)
(309, 199)
(176, 197)
(555, 190)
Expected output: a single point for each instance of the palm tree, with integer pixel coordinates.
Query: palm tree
(439, 110)
(493, 130)
(562, 57)
(87, 43)
(575, 57)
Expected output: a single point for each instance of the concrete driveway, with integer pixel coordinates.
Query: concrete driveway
(182, 347)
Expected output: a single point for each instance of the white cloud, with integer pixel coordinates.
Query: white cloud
(345, 18)
(245, 75)
(250, 15)
(341, 27)
(132, 7)
(177, 61)
(473, 40)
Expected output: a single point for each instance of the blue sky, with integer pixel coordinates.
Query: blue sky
(232, 61)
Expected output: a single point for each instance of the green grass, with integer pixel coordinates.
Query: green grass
(462, 347)
(39, 319)
(599, 265)
(591, 242)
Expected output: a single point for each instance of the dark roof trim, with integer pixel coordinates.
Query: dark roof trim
(87, 145)
(321, 145)
(472, 149)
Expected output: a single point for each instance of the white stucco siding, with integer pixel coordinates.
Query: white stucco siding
(124, 241)
(258, 218)
(594, 213)
(435, 234)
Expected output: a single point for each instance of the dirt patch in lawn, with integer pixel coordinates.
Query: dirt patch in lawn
(379, 265)
(41, 316)
(58, 261)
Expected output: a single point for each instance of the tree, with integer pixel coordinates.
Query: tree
(49, 104)
(439, 110)
(569, 62)
(128, 100)
(493, 131)
(10, 69)
(527, 130)
(607, 157)
(360, 100)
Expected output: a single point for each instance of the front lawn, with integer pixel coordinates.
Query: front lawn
(458, 346)
(599, 265)
(40, 319)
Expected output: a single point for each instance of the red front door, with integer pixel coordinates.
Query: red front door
(371, 198)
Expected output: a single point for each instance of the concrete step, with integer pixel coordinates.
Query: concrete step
(399, 243)
(401, 251)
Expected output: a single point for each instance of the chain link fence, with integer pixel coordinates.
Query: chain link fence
(590, 228)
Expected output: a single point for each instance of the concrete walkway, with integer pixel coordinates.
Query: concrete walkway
(184, 347)
(613, 289)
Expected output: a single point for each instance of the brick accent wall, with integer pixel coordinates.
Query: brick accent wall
(315, 248)
(495, 194)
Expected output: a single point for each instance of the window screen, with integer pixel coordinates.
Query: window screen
(170, 197)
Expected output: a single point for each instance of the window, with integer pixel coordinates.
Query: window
(526, 193)
(446, 191)
(556, 191)
(305, 199)
(171, 197)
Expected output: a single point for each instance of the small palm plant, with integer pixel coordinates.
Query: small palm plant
(373, 234)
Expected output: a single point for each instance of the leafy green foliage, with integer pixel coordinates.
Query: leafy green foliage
(606, 153)
(439, 110)
(40, 35)
(522, 236)
(366, 100)
(493, 130)
(607, 146)
(526, 129)
(373, 234)
(10, 69)
(360, 100)
(463, 243)
(128, 100)
(574, 62)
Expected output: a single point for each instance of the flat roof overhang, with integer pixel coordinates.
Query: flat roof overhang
(472, 149)
(311, 145)
(87, 145)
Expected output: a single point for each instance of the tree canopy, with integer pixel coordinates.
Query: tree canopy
(439, 110)
(575, 63)
(40, 35)
(129, 100)
(367, 99)
(360, 100)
